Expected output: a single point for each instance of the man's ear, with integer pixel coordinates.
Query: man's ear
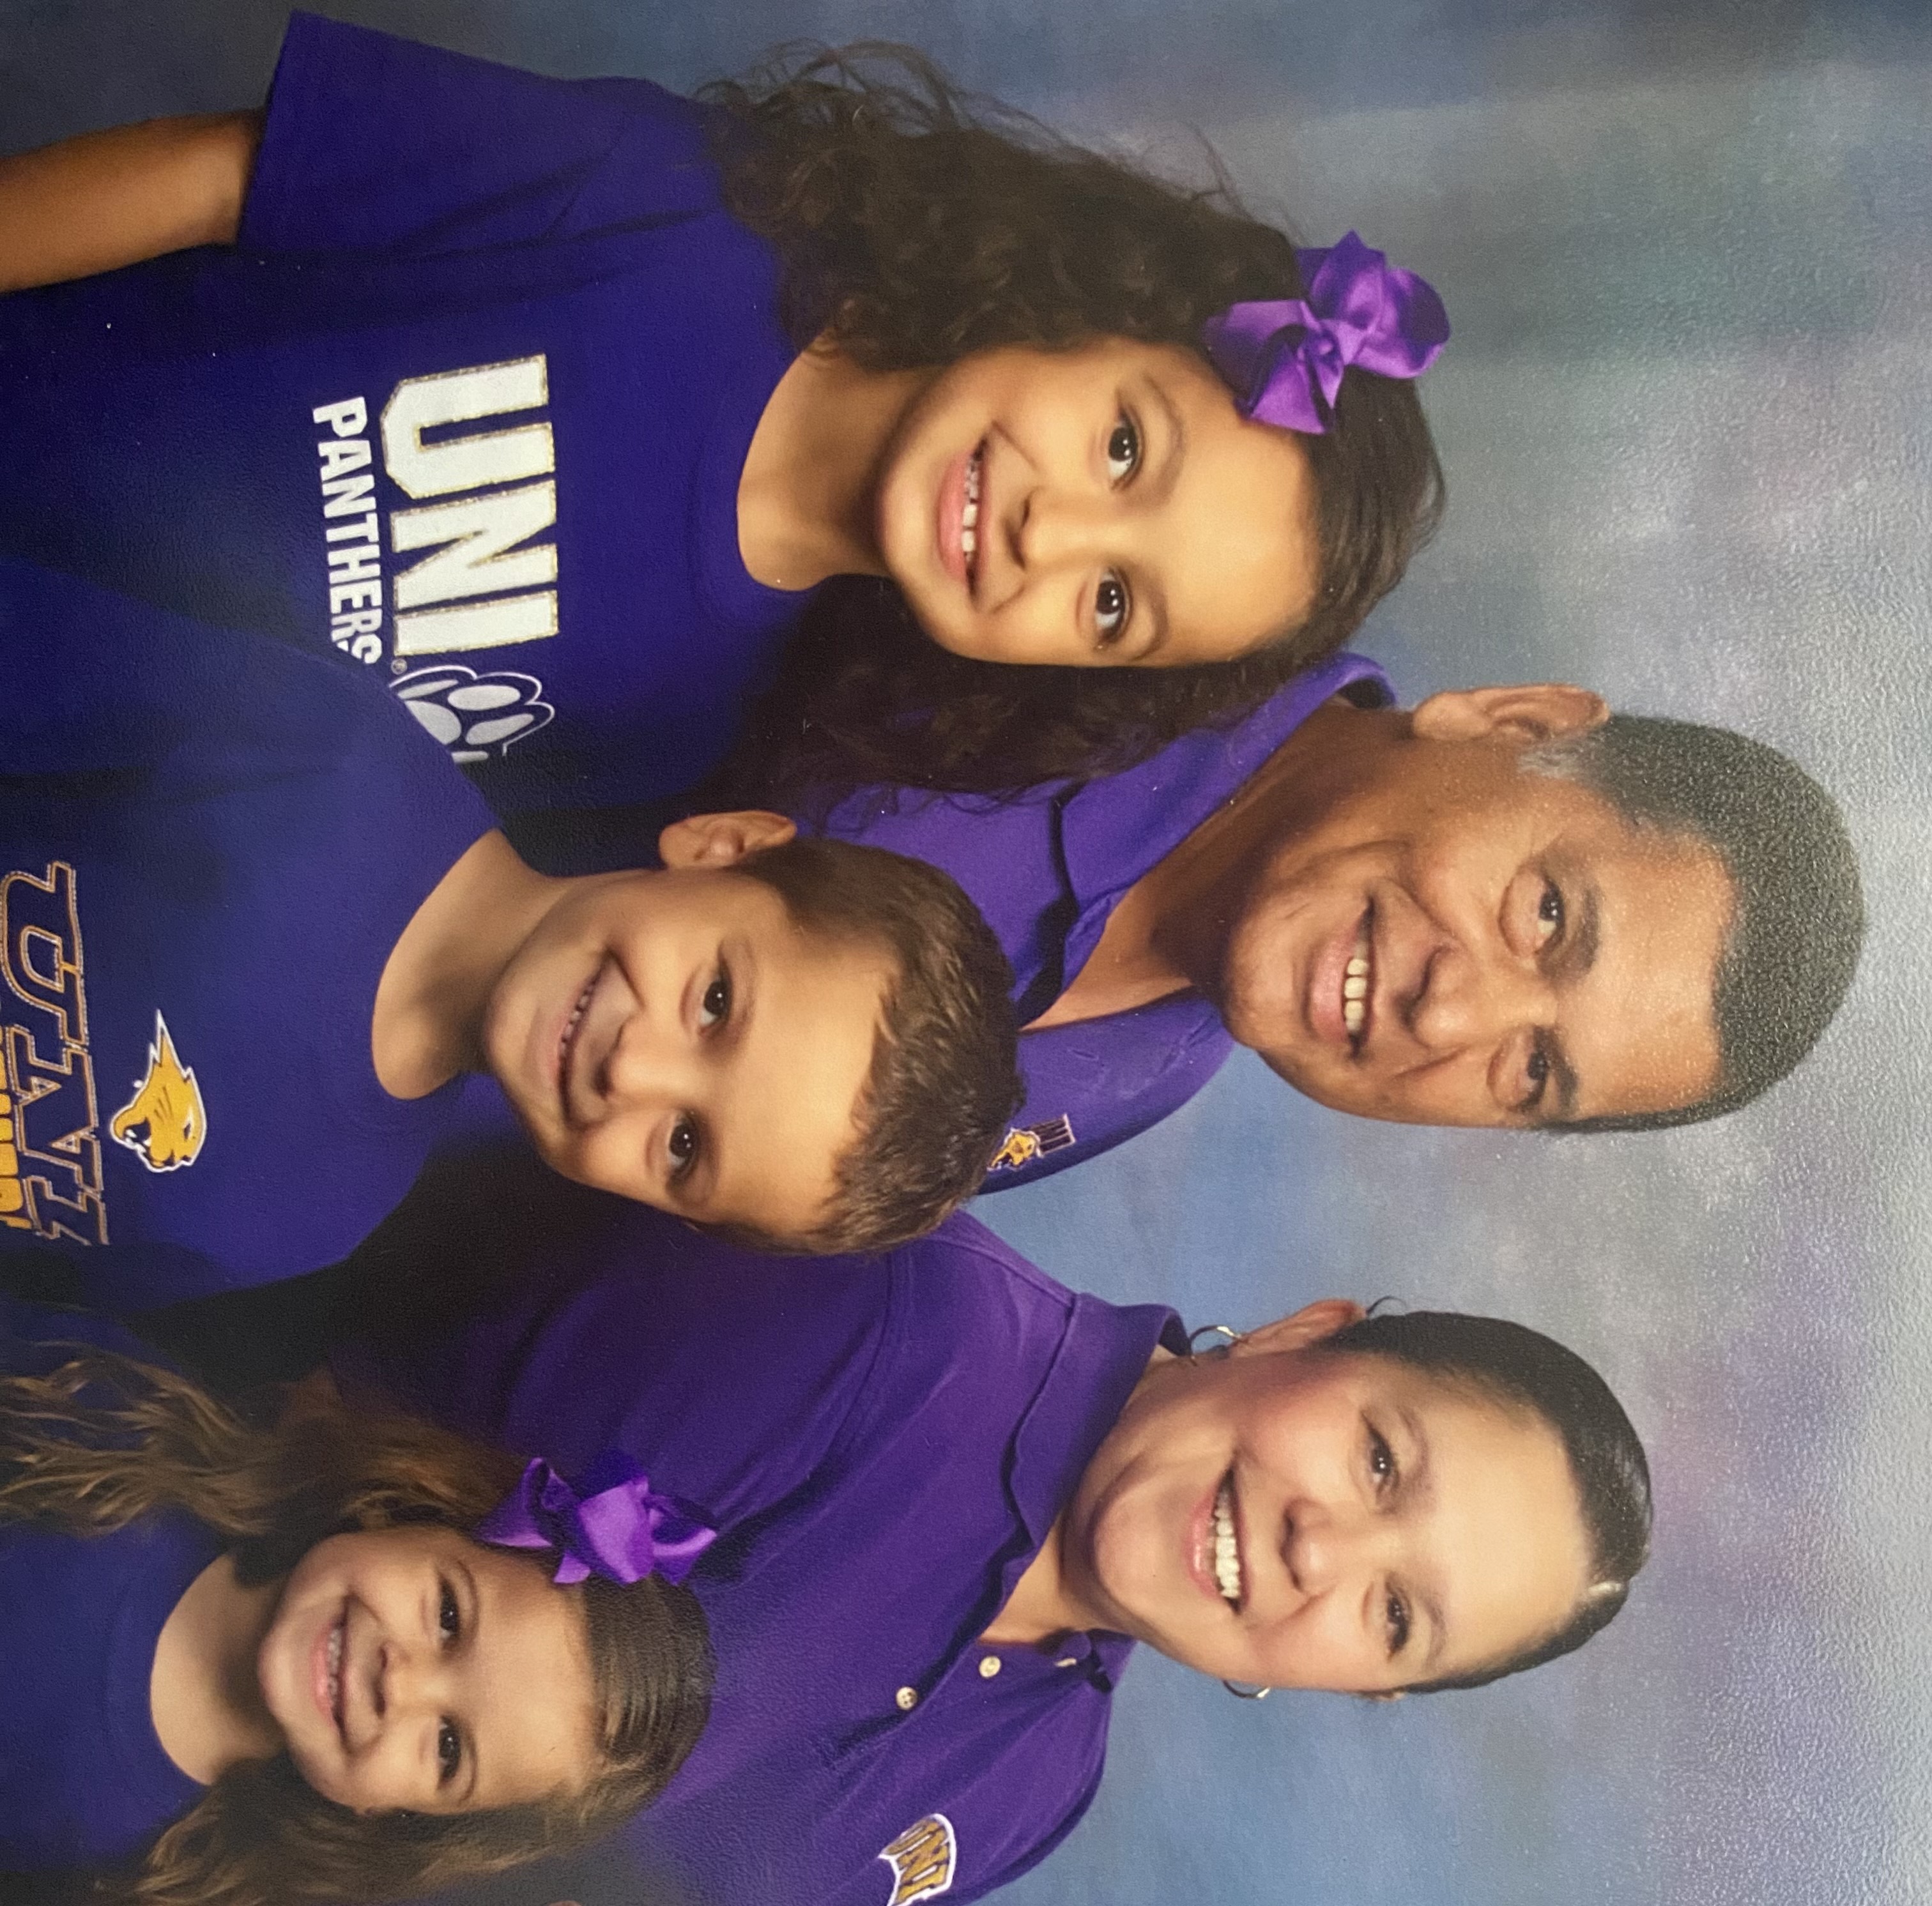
(1308, 1325)
(722, 840)
(1534, 711)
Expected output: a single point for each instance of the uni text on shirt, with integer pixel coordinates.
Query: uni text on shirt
(465, 409)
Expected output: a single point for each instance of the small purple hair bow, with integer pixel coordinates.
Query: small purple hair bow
(1284, 358)
(618, 1527)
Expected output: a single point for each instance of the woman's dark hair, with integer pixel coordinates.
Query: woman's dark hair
(917, 224)
(1522, 1369)
(103, 1439)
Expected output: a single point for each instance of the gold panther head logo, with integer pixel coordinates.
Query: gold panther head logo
(165, 1123)
(1025, 1142)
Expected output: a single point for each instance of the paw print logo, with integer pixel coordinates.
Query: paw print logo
(474, 716)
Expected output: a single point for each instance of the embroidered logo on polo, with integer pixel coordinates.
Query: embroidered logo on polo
(923, 1858)
(1025, 1142)
(473, 567)
(50, 1181)
(164, 1124)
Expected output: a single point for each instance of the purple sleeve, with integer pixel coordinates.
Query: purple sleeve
(727, 1375)
(372, 142)
(36, 1338)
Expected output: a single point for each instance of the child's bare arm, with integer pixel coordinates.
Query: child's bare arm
(108, 199)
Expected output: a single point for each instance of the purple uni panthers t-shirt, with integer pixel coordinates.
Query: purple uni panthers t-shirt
(209, 846)
(465, 407)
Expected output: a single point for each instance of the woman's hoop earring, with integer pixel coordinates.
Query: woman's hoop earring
(1242, 1692)
(1233, 1336)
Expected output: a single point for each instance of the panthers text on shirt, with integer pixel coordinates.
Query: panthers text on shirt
(482, 491)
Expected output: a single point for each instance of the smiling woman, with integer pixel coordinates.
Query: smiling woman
(1367, 1507)
(319, 1686)
(1378, 1505)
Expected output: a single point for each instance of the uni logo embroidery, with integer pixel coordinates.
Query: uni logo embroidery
(923, 1859)
(165, 1124)
(1025, 1142)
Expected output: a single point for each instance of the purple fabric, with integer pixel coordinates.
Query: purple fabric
(225, 837)
(1285, 358)
(1048, 870)
(619, 1527)
(227, 432)
(885, 1443)
(84, 1778)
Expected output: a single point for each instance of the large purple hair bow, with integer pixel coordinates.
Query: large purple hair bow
(618, 1527)
(1284, 358)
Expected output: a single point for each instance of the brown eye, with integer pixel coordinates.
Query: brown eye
(1124, 449)
(1381, 1458)
(1536, 1070)
(1112, 605)
(682, 1145)
(449, 1752)
(1395, 1616)
(1549, 915)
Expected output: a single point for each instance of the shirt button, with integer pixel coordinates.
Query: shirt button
(1068, 1661)
(907, 1699)
(989, 1666)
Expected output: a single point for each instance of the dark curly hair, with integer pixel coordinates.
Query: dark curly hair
(917, 224)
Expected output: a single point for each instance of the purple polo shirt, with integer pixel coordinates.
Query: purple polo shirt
(885, 1443)
(1048, 869)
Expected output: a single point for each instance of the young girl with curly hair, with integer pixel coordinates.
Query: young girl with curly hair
(568, 408)
(327, 1661)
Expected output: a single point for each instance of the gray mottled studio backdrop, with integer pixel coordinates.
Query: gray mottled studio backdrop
(1688, 423)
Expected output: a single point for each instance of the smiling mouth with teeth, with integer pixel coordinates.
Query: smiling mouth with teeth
(1227, 1548)
(570, 1026)
(334, 1665)
(1356, 977)
(969, 516)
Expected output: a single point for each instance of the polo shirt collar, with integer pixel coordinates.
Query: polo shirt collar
(1113, 830)
(1101, 1358)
